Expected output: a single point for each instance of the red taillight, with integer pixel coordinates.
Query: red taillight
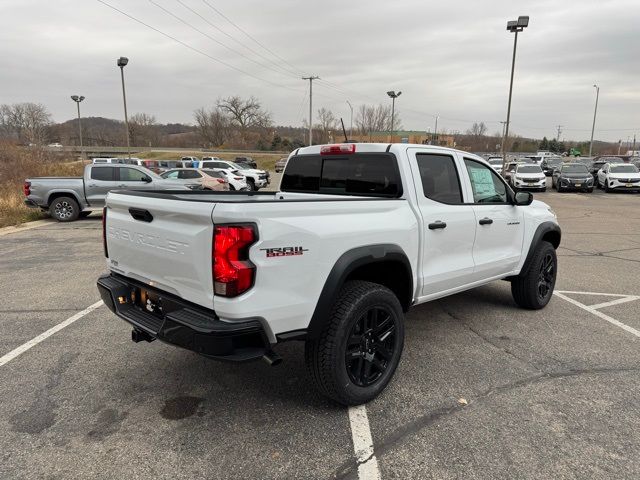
(338, 149)
(26, 188)
(233, 273)
(104, 232)
(221, 180)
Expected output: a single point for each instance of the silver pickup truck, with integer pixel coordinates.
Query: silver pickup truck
(68, 198)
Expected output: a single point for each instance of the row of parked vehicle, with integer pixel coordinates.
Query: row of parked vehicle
(608, 173)
(240, 174)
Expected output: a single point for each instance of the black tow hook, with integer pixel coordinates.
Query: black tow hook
(272, 358)
(140, 336)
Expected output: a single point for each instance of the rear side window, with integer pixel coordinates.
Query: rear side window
(189, 174)
(440, 180)
(367, 174)
(103, 173)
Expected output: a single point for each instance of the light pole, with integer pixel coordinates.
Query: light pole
(435, 131)
(393, 96)
(351, 124)
(122, 62)
(311, 79)
(595, 111)
(78, 99)
(513, 26)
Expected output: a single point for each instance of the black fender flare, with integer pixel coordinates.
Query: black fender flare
(348, 263)
(544, 229)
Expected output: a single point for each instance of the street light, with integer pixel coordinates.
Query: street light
(595, 111)
(514, 26)
(393, 96)
(351, 125)
(122, 62)
(78, 99)
(435, 131)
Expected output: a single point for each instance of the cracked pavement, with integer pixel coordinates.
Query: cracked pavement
(547, 394)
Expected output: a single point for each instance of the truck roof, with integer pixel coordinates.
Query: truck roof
(376, 147)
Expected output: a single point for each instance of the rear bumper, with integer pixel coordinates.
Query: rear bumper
(183, 324)
(31, 203)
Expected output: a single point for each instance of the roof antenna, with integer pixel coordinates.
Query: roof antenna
(346, 140)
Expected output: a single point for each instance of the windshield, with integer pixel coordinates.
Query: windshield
(579, 168)
(212, 173)
(624, 169)
(236, 166)
(495, 161)
(529, 169)
(553, 161)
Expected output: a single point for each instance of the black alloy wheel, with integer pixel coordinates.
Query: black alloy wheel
(546, 277)
(370, 346)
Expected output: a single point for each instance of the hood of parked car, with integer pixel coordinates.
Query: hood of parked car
(624, 175)
(253, 171)
(537, 175)
(576, 175)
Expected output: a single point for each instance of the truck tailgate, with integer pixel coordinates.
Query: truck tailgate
(163, 242)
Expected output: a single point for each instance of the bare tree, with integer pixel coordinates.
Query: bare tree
(25, 122)
(142, 129)
(246, 114)
(327, 122)
(213, 125)
(371, 118)
(477, 129)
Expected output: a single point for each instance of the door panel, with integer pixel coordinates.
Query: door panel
(448, 225)
(101, 181)
(500, 225)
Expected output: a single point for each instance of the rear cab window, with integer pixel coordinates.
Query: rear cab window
(105, 174)
(361, 174)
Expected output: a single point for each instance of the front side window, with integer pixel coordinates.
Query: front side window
(104, 174)
(132, 175)
(487, 187)
(439, 176)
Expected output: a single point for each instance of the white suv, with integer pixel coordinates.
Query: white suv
(528, 176)
(256, 179)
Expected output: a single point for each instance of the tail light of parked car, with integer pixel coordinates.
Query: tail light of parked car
(26, 188)
(104, 232)
(233, 272)
(221, 180)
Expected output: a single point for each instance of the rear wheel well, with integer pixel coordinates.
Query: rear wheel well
(55, 195)
(389, 273)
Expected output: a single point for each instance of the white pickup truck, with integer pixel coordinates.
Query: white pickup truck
(356, 235)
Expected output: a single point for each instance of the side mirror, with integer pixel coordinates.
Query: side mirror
(145, 179)
(523, 198)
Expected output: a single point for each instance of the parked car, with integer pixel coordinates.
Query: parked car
(207, 179)
(68, 198)
(594, 167)
(256, 179)
(55, 145)
(190, 161)
(237, 181)
(248, 161)
(280, 164)
(572, 176)
(619, 176)
(332, 259)
(549, 164)
(161, 166)
(528, 176)
(496, 163)
(511, 167)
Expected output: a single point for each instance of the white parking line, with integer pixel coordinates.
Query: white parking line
(363, 444)
(43, 336)
(597, 313)
(630, 298)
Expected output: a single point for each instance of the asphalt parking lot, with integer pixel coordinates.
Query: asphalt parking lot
(484, 390)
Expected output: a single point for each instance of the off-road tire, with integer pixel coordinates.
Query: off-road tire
(526, 287)
(64, 209)
(325, 355)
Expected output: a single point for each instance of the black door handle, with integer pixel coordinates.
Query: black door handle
(437, 225)
(486, 221)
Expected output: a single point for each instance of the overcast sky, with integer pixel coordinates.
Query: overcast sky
(450, 58)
